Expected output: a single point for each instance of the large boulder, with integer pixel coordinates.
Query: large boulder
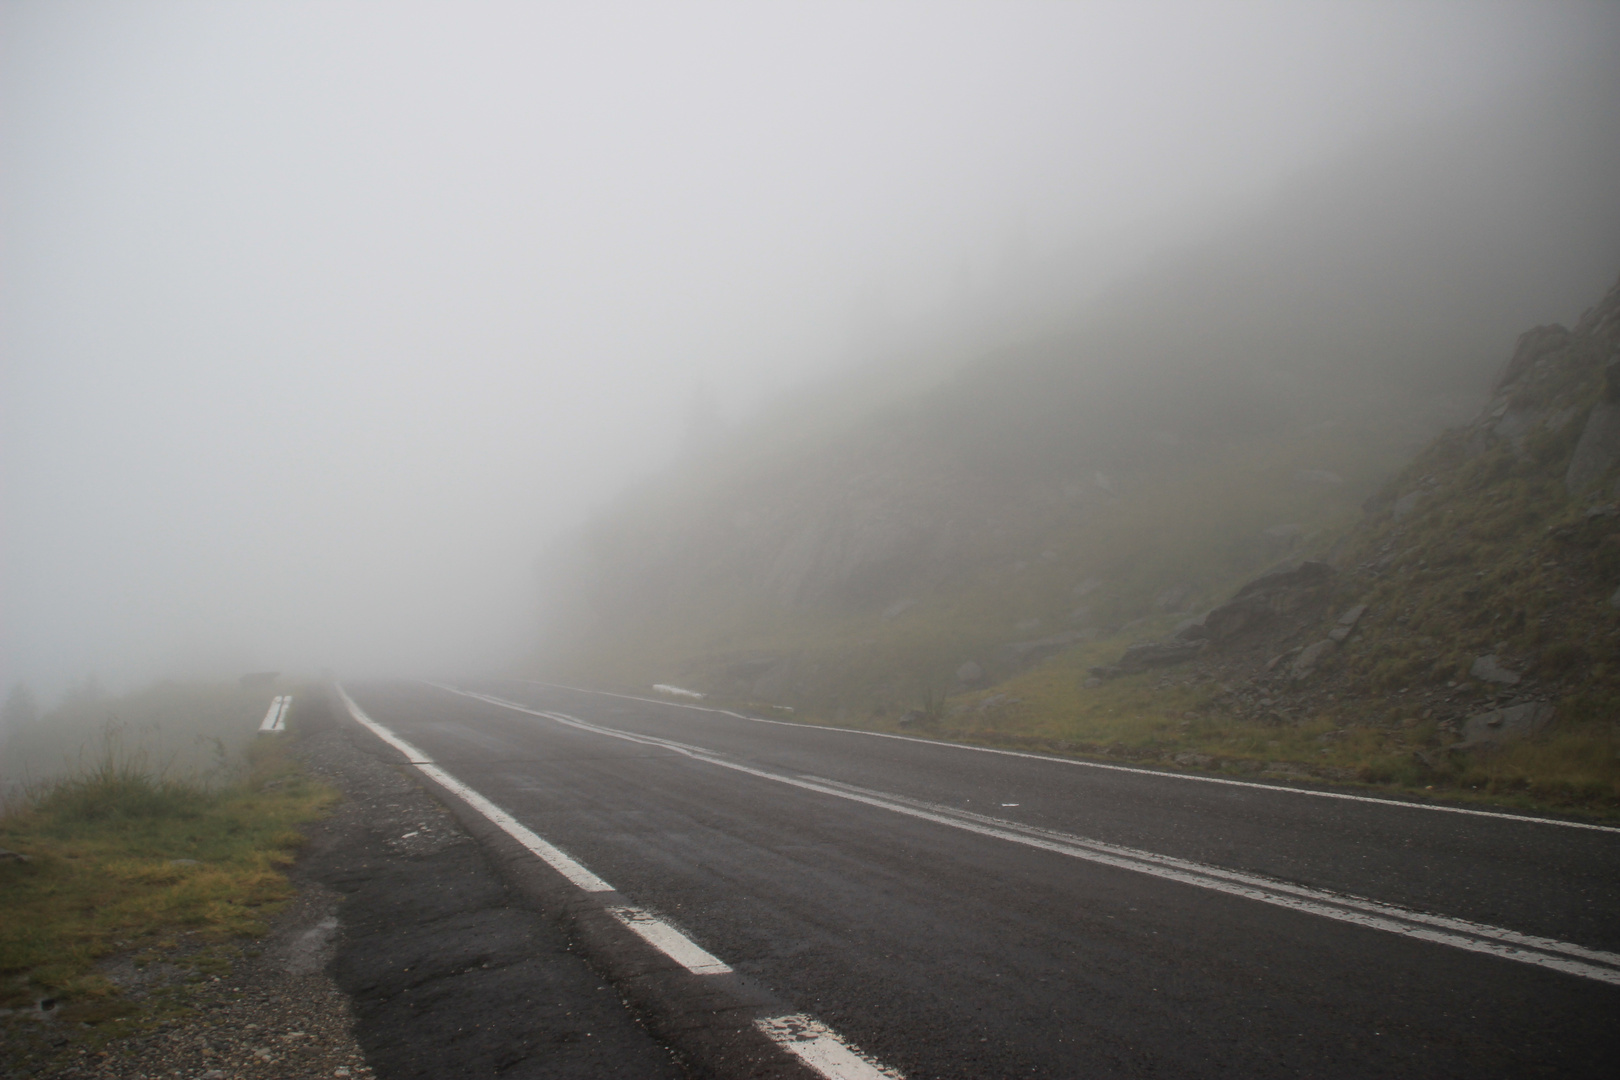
(1257, 602)
(1490, 730)
(1151, 654)
(1490, 670)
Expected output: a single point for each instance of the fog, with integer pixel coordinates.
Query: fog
(320, 320)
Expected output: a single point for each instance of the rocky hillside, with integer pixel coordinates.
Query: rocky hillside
(961, 547)
(1464, 633)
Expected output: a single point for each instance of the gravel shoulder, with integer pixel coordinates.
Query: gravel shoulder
(406, 954)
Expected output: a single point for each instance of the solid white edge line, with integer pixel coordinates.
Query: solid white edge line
(821, 1048)
(547, 853)
(269, 721)
(1395, 803)
(812, 1042)
(1372, 914)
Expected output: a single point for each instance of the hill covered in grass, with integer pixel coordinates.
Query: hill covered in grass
(959, 552)
(1461, 635)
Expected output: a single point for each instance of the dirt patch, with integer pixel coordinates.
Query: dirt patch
(275, 1015)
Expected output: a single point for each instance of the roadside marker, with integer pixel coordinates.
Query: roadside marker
(812, 1042)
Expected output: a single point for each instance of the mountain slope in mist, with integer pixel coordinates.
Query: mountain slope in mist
(1463, 634)
(1114, 469)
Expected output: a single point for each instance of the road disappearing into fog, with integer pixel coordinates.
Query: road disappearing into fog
(952, 912)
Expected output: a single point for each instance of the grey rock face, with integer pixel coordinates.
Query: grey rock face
(1309, 657)
(1305, 575)
(1347, 622)
(969, 673)
(1406, 504)
(1151, 654)
(1189, 630)
(1488, 669)
(1271, 594)
(1531, 347)
(1500, 726)
(1614, 601)
(1598, 449)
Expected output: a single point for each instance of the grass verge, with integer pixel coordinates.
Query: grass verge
(118, 860)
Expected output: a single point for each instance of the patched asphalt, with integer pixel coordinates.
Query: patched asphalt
(451, 971)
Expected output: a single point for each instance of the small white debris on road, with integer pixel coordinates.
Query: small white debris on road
(676, 691)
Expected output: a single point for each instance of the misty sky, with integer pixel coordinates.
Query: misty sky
(319, 318)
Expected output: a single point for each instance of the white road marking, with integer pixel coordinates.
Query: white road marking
(1393, 803)
(670, 941)
(810, 1041)
(551, 856)
(1567, 957)
(821, 1048)
(269, 721)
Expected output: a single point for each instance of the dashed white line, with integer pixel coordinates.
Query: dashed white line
(821, 1048)
(1567, 957)
(1079, 763)
(810, 1041)
(276, 718)
(670, 941)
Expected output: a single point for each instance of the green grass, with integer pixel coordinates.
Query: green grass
(122, 859)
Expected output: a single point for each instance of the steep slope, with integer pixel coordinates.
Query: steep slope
(959, 552)
(1464, 634)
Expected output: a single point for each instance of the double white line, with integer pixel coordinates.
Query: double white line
(812, 1042)
(1495, 941)
(276, 718)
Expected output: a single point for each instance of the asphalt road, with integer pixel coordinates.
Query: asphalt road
(956, 913)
